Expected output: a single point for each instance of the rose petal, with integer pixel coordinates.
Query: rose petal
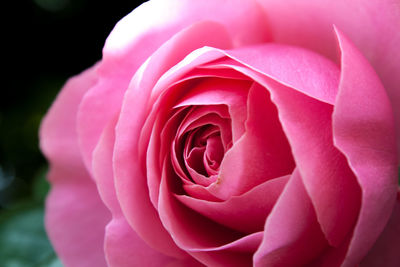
(364, 131)
(73, 205)
(75, 218)
(245, 213)
(210, 243)
(123, 247)
(129, 169)
(143, 31)
(292, 235)
(307, 123)
(262, 153)
(385, 251)
(112, 84)
(372, 25)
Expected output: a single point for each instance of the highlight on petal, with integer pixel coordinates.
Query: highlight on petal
(364, 131)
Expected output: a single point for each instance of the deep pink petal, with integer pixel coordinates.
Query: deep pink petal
(292, 235)
(385, 251)
(142, 32)
(364, 131)
(372, 25)
(245, 213)
(75, 216)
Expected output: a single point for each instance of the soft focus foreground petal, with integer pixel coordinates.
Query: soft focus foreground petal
(373, 26)
(58, 135)
(292, 235)
(364, 131)
(75, 216)
(129, 163)
(123, 247)
(245, 213)
(141, 33)
(385, 251)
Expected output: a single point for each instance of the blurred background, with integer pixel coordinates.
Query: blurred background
(46, 41)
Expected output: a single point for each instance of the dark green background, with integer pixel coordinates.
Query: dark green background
(46, 41)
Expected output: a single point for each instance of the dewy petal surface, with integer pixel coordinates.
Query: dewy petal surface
(75, 215)
(364, 131)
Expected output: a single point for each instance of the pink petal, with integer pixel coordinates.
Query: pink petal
(129, 165)
(262, 153)
(307, 123)
(207, 241)
(58, 129)
(303, 70)
(385, 251)
(137, 36)
(364, 131)
(245, 213)
(75, 216)
(123, 247)
(332, 186)
(292, 235)
(372, 25)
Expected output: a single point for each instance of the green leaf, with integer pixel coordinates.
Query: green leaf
(23, 240)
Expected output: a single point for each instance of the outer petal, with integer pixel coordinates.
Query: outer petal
(75, 216)
(373, 26)
(123, 247)
(364, 131)
(140, 34)
(385, 252)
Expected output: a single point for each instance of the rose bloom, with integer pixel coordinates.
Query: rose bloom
(232, 133)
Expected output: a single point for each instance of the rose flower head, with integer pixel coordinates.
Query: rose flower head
(232, 133)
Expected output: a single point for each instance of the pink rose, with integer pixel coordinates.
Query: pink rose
(232, 133)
